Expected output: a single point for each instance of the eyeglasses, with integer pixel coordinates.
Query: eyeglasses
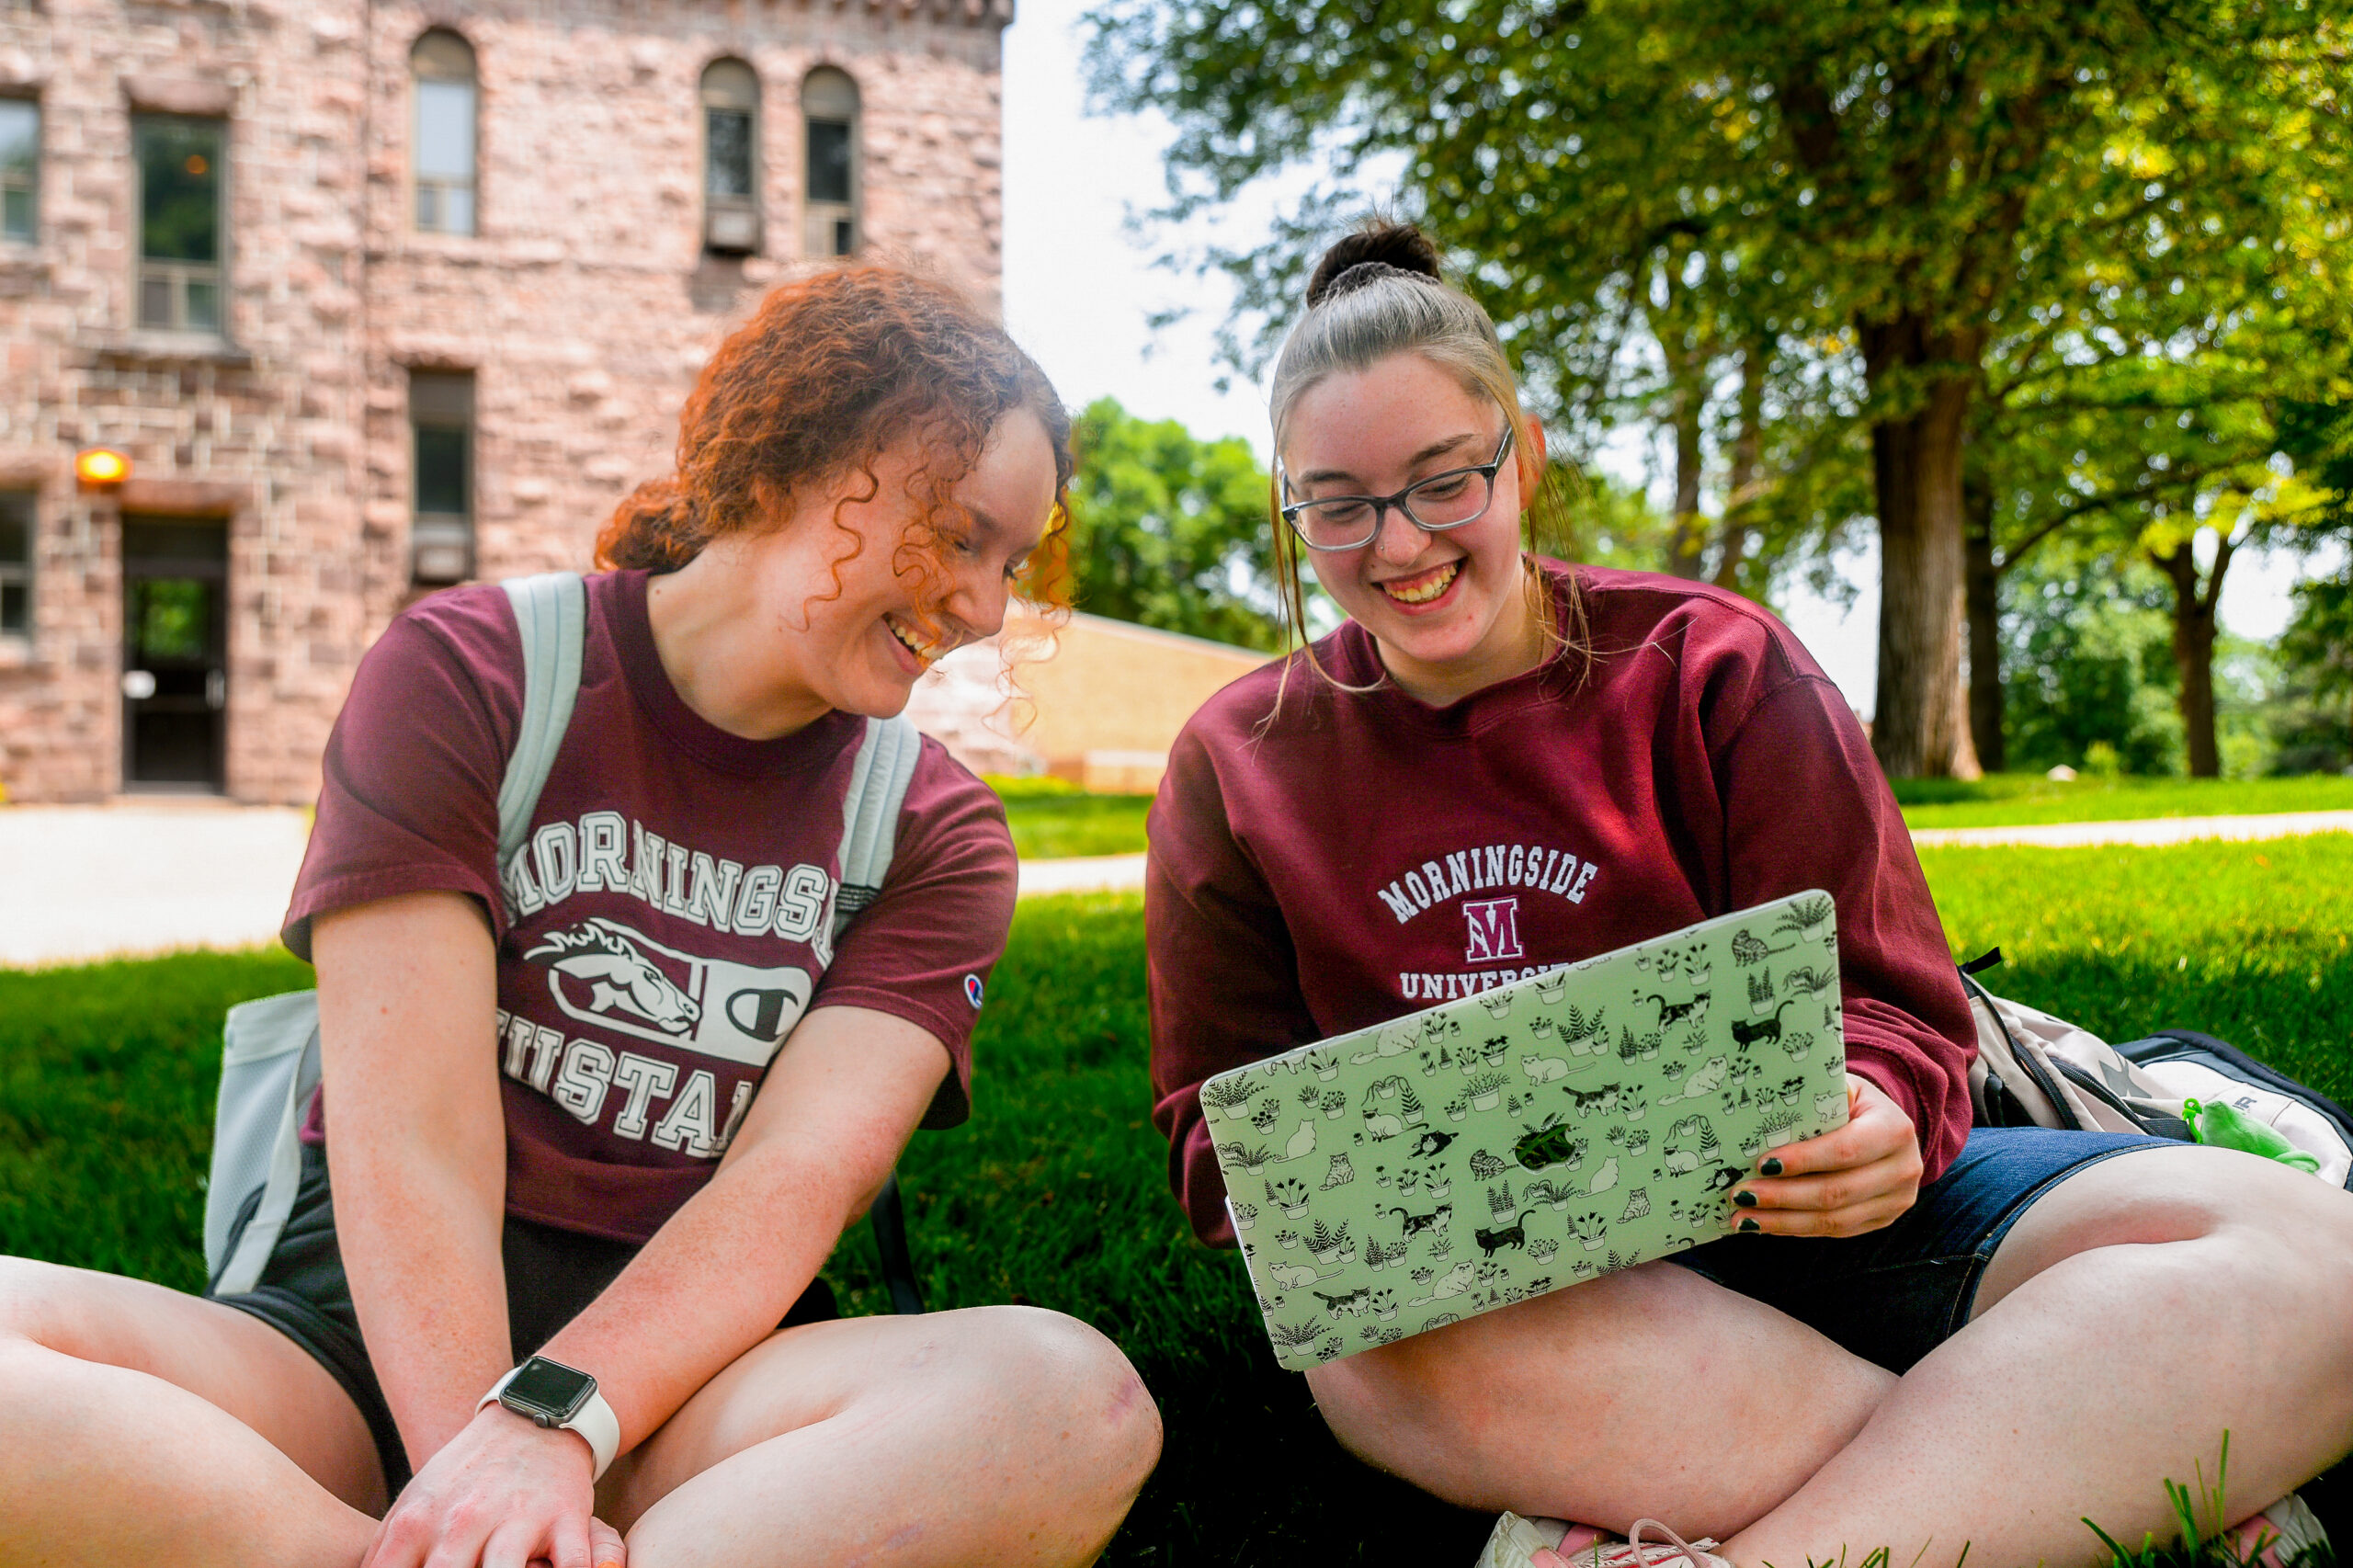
(1442, 501)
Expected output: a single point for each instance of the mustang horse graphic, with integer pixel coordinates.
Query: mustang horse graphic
(622, 978)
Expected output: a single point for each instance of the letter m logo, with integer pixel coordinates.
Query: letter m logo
(1495, 930)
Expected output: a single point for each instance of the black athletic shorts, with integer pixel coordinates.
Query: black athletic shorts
(551, 1276)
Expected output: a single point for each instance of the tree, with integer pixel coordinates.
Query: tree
(2085, 649)
(2316, 650)
(1890, 184)
(1169, 530)
(2175, 424)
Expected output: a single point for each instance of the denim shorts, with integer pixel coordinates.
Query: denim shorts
(1893, 1295)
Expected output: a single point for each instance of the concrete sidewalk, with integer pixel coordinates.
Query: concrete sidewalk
(148, 876)
(2145, 831)
(144, 876)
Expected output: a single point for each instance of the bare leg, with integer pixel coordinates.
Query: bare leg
(2134, 1313)
(1652, 1393)
(996, 1435)
(138, 1425)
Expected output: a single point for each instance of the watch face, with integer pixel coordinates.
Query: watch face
(541, 1387)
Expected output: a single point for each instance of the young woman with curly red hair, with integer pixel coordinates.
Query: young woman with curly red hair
(528, 1160)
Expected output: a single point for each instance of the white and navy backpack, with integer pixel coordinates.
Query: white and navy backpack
(269, 1064)
(2034, 1069)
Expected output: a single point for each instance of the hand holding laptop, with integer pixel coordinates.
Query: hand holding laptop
(1843, 1183)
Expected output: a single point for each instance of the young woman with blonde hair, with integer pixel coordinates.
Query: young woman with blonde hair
(1931, 1336)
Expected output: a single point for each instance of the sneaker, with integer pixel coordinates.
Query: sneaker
(2282, 1535)
(1634, 1552)
(1516, 1541)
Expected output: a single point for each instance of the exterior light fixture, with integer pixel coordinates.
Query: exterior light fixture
(101, 468)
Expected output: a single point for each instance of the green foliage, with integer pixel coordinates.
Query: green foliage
(1877, 210)
(1023, 787)
(2089, 661)
(1614, 525)
(1170, 530)
(2313, 724)
(1058, 826)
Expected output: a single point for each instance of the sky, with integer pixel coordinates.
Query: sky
(1080, 290)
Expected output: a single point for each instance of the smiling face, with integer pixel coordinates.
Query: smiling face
(1449, 610)
(766, 631)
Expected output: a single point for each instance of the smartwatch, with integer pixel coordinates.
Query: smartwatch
(549, 1393)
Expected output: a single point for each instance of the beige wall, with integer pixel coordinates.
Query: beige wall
(1105, 703)
(584, 305)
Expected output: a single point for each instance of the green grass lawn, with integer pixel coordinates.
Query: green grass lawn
(2006, 800)
(1056, 1192)
(1050, 826)
(1055, 827)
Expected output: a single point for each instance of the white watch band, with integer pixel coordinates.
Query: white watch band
(595, 1421)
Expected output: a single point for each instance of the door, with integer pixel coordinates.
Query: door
(175, 646)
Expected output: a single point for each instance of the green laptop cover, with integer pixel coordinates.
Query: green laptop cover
(1524, 1138)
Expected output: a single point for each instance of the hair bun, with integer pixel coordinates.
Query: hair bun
(1377, 244)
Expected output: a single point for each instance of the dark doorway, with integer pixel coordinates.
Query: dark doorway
(174, 648)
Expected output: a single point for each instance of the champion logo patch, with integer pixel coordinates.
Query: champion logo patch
(973, 990)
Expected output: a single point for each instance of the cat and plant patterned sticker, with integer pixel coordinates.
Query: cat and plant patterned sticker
(1524, 1140)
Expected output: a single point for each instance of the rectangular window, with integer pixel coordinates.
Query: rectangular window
(441, 429)
(19, 168)
(16, 535)
(828, 160)
(728, 167)
(445, 156)
(180, 220)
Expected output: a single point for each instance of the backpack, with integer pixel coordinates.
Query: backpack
(270, 1059)
(2033, 1070)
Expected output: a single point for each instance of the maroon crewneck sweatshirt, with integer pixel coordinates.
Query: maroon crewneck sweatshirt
(1350, 857)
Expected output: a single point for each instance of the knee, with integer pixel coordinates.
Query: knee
(32, 1297)
(1422, 1409)
(1069, 1387)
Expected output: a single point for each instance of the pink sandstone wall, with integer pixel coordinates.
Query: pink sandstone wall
(584, 305)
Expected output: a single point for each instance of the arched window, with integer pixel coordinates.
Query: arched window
(830, 199)
(441, 142)
(731, 158)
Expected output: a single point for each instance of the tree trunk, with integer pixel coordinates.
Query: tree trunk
(1922, 728)
(1688, 376)
(1982, 585)
(1747, 459)
(2194, 629)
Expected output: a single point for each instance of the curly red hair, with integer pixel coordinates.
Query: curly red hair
(832, 370)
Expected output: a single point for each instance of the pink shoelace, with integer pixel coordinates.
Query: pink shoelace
(1633, 1552)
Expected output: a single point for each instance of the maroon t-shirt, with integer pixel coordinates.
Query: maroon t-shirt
(672, 918)
(1362, 856)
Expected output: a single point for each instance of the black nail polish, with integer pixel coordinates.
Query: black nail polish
(1771, 1168)
(1747, 1224)
(1745, 1198)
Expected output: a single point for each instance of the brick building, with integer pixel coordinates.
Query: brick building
(376, 296)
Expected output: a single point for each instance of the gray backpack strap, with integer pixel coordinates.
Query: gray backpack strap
(270, 1064)
(552, 614)
(268, 1067)
(878, 787)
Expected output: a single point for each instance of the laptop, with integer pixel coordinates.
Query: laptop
(1524, 1138)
